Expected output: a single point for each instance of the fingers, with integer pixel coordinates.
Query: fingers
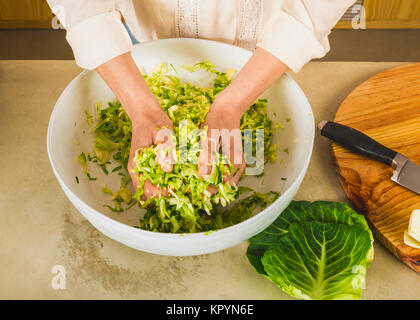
(239, 170)
(139, 139)
(150, 190)
(231, 141)
(165, 155)
(212, 189)
(165, 152)
(133, 176)
(208, 145)
(131, 165)
(232, 147)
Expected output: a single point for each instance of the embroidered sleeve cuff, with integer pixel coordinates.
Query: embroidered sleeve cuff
(98, 39)
(291, 41)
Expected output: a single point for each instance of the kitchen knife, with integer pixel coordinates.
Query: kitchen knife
(406, 172)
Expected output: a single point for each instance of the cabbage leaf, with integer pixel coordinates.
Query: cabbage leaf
(318, 250)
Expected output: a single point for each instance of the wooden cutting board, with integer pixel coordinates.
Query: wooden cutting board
(387, 108)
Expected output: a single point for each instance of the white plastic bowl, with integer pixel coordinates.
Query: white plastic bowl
(66, 140)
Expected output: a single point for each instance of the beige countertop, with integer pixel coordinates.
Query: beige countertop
(39, 227)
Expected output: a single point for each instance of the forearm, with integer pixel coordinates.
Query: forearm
(124, 78)
(258, 74)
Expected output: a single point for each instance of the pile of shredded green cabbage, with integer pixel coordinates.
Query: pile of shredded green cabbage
(189, 207)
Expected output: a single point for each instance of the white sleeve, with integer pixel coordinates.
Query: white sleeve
(296, 31)
(94, 30)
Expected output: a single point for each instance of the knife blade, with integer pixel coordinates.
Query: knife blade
(406, 172)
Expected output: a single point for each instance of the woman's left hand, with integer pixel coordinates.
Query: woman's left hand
(261, 70)
(223, 134)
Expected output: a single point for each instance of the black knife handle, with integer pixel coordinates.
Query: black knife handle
(357, 141)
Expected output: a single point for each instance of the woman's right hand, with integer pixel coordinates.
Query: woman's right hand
(150, 126)
(124, 78)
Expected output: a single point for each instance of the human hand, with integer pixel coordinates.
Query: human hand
(124, 78)
(223, 134)
(150, 126)
(261, 70)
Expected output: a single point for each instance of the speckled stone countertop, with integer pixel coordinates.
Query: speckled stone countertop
(40, 228)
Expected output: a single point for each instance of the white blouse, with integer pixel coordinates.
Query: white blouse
(295, 31)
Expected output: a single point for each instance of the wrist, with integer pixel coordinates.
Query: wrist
(142, 107)
(230, 103)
